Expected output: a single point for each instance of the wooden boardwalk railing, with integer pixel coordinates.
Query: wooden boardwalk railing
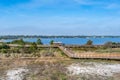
(71, 54)
(66, 51)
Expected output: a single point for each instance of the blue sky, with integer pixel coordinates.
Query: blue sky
(59, 17)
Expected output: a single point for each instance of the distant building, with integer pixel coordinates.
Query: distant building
(58, 43)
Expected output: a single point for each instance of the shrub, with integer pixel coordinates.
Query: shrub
(89, 42)
(39, 42)
(51, 42)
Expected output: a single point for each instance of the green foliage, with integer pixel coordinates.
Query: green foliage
(20, 42)
(33, 47)
(39, 42)
(111, 43)
(4, 46)
(3, 50)
(51, 42)
(89, 42)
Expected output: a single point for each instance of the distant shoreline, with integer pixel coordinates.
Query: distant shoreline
(42, 36)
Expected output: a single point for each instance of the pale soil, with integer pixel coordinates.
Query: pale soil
(58, 69)
(93, 68)
(16, 74)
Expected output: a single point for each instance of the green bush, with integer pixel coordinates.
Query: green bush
(4, 46)
(39, 42)
(20, 42)
(89, 42)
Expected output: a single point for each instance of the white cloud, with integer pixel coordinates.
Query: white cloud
(112, 6)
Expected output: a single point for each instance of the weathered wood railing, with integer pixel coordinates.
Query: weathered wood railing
(71, 54)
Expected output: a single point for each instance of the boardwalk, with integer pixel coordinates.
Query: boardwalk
(71, 54)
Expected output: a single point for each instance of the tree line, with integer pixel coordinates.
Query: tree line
(52, 36)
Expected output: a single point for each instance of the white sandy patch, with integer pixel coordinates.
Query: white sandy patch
(16, 74)
(94, 68)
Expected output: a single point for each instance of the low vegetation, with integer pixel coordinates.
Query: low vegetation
(34, 51)
(31, 51)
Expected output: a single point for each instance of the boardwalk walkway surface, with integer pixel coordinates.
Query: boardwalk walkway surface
(71, 54)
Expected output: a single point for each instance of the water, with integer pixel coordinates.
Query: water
(73, 41)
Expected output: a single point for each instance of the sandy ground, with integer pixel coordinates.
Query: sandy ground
(16, 74)
(68, 70)
(101, 69)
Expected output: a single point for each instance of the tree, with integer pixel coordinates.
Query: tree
(20, 41)
(39, 42)
(89, 42)
(51, 42)
(33, 47)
